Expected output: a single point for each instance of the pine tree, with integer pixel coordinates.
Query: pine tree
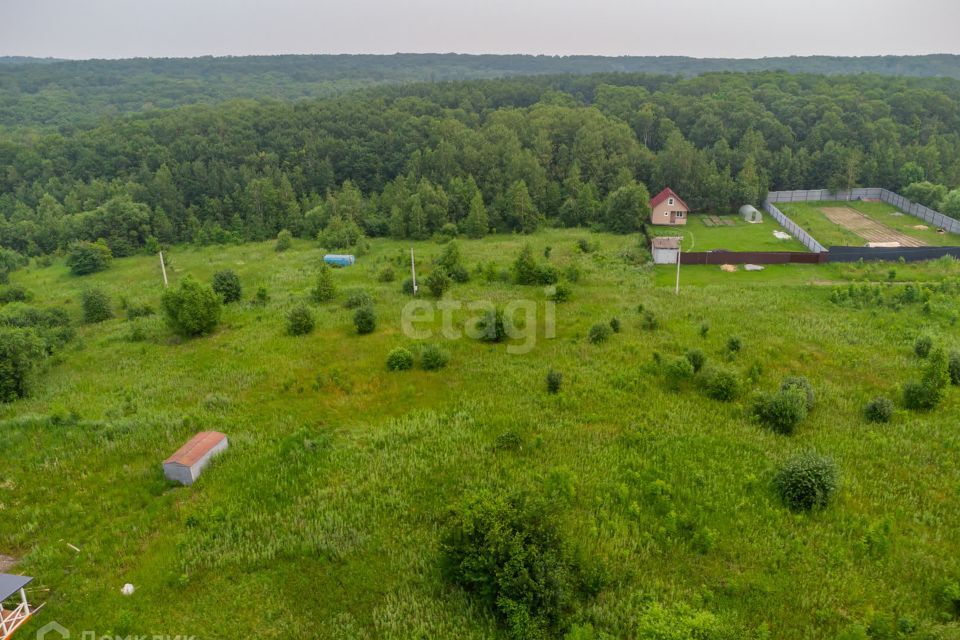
(477, 224)
(325, 290)
(521, 209)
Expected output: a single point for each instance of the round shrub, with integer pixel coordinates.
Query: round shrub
(561, 293)
(491, 327)
(325, 289)
(697, 359)
(399, 359)
(88, 257)
(801, 383)
(438, 282)
(458, 273)
(365, 320)
(922, 346)
(386, 275)
(554, 381)
(599, 333)
(433, 358)
(300, 320)
(261, 297)
(721, 384)
(734, 344)
(806, 480)
(615, 325)
(227, 285)
(357, 298)
(96, 306)
(192, 308)
(879, 409)
(782, 411)
(407, 286)
(284, 241)
(678, 371)
(21, 352)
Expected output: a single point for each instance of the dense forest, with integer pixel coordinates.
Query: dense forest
(474, 157)
(44, 92)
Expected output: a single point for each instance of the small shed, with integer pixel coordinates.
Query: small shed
(665, 249)
(186, 465)
(339, 260)
(14, 611)
(749, 213)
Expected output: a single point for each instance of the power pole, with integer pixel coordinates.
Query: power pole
(677, 290)
(413, 271)
(163, 268)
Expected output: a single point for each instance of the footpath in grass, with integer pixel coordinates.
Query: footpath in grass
(810, 216)
(735, 234)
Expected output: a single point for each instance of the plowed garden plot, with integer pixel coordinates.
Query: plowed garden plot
(868, 228)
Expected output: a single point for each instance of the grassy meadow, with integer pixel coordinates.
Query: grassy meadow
(323, 518)
(740, 236)
(810, 217)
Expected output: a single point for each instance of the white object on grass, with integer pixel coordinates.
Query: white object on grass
(127, 589)
(781, 235)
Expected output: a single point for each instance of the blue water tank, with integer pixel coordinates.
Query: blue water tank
(339, 260)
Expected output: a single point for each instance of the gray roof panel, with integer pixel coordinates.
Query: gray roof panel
(9, 584)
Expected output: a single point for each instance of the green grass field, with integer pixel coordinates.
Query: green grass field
(741, 236)
(323, 518)
(809, 216)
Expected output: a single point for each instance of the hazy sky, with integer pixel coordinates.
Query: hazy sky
(702, 28)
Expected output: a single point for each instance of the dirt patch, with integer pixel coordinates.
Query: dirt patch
(6, 563)
(868, 228)
(729, 268)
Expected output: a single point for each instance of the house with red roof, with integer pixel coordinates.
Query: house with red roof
(667, 208)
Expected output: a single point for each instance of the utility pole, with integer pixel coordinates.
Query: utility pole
(413, 271)
(163, 268)
(677, 290)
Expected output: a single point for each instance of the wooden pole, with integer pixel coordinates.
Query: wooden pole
(163, 268)
(413, 271)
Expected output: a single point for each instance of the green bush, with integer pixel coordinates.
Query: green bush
(509, 553)
(546, 274)
(525, 267)
(734, 344)
(649, 321)
(339, 234)
(721, 384)
(433, 358)
(261, 297)
(879, 409)
(135, 311)
(922, 346)
(365, 320)
(782, 411)
(599, 333)
(386, 274)
(407, 286)
(491, 327)
(953, 367)
(585, 246)
(554, 381)
(192, 308)
(300, 320)
(678, 371)
(806, 481)
(226, 284)
(615, 325)
(11, 260)
(284, 241)
(438, 282)
(399, 359)
(561, 293)
(801, 383)
(458, 273)
(925, 394)
(357, 298)
(450, 263)
(96, 306)
(88, 257)
(325, 290)
(21, 351)
(697, 358)
(14, 293)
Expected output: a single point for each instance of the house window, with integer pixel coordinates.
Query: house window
(670, 202)
(679, 214)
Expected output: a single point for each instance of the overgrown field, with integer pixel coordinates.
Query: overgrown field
(325, 517)
(810, 216)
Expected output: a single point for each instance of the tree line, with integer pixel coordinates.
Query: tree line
(473, 157)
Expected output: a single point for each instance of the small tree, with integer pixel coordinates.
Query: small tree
(21, 350)
(561, 293)
(953, 367)
(678, 371)
(879, 409)
(226, 284)
(300, 320)
(192, 308)
(284, 241)
(525, 267)
(801, 383)
(697, 359)
(88, 257)
(438, 282)
(325, 289)
(734, 344)
(922, 346)
(340, 233)
(599, 333)
(399, 359)
(554, 381)
(365, 320)
(433, 358)
(96, 306)
(782, 411)
(806, 481)
(477, 223)
(720, 384)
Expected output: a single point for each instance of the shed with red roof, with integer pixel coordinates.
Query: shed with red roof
(186, 465)
(667, 208)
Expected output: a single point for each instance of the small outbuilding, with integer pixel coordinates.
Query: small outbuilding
(15, 610)
(749, 213)
(667, 208)
(186, 465)
(665, 249)
(339, 260)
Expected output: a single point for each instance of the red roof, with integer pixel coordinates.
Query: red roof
(663, 195)
(198, 446)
